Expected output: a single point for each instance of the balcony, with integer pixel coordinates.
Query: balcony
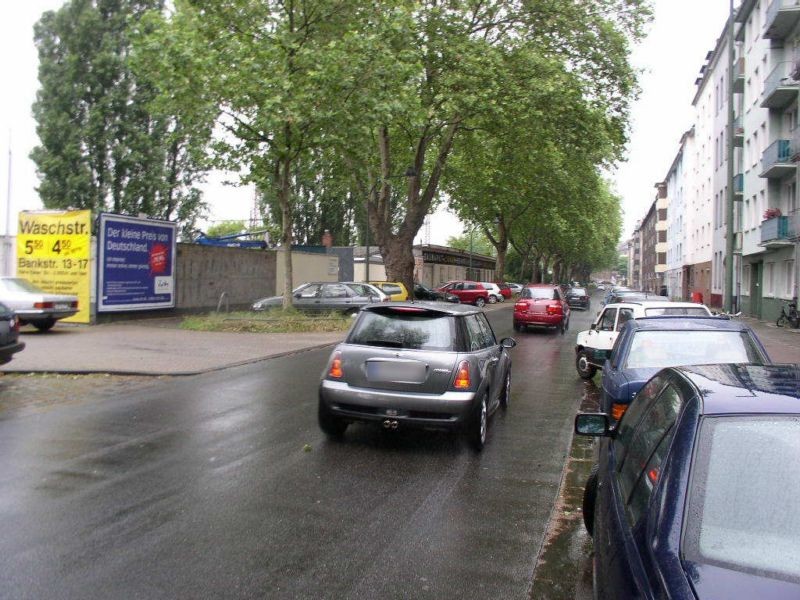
(738, 76)
(776, 162)
(780, 87)
(775, 232)
(738, 132)
(782, 16)
(738, 186)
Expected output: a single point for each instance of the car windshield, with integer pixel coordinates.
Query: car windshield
(543, 293)
(743, 502)
(577, 292)
(670, 348)
(404, 328)
(687, 311)
(19, 285)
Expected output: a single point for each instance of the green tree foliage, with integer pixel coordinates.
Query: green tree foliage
(337, 108)
(103, 145)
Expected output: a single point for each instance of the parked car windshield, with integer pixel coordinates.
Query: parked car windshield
(577, 292)
(669, 348)
(393, 328)
(544, 293)
(742, 508)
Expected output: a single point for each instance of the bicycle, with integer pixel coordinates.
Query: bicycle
(790, 316)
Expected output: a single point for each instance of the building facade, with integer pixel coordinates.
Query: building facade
(763, 89)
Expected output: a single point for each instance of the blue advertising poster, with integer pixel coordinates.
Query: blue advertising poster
(136, 264)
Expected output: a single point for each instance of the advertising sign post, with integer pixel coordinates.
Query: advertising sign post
(136, 264)
(53, 253)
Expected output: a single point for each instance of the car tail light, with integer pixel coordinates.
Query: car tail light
(520, 306)
(554, 309)
(336, 366)
(74, 304)
(42, 305)
(15, 323)
(617, 410)
(462, 381)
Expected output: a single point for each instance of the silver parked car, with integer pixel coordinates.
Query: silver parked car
(430, 365)
(35, 306)
(345, 296)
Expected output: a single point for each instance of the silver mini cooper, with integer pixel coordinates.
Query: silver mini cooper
(428, 365)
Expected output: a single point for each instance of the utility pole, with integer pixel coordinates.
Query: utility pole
(729, 229)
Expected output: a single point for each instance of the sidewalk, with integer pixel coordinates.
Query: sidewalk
(151, 347)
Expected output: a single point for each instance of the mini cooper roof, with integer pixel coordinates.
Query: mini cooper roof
(424, 306)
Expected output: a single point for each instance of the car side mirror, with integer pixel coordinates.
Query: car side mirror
(593, 327)
(592, 424)
(298, 295)
(508, 342)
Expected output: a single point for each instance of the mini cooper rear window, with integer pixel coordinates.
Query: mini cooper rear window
(404, 328)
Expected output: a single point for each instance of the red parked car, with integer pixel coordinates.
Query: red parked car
(505, 290)
(541, 305)
(468, 292)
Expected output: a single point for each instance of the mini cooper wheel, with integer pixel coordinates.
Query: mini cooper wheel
(479, 302)
(330, 424)
(586, 370)
(477, 426)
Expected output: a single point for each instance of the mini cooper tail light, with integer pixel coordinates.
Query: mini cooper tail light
(336, 366)
(462, 381)
(617, 410)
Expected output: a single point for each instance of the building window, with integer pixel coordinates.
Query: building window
(788, 278)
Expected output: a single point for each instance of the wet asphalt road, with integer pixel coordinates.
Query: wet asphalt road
(222, 486)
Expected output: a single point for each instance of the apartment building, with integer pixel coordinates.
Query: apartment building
(766, 140)
(769, 36)
(678, 181)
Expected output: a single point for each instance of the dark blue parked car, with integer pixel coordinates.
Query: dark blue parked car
(695, 493)
(645, 346)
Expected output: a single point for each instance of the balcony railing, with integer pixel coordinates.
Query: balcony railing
(782, 16)
(780, 87)
(738, 76)
(738, 185)
(776, 162)
(738, 132)
(775, 232)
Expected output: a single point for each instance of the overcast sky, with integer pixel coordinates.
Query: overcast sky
(671, 57)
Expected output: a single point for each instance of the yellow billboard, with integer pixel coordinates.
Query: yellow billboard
(53, 252)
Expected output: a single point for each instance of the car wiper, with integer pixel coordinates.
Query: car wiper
(388, 343)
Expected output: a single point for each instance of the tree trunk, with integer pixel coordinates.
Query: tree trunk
(284, 196)
(397, 249)
(500, 244)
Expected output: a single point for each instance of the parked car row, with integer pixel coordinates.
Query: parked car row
(697, 430)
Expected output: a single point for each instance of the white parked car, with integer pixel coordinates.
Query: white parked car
(495, 295)
(35, 306)
(593, 346)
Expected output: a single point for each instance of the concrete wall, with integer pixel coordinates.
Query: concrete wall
(307, 266)
(203, 273)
